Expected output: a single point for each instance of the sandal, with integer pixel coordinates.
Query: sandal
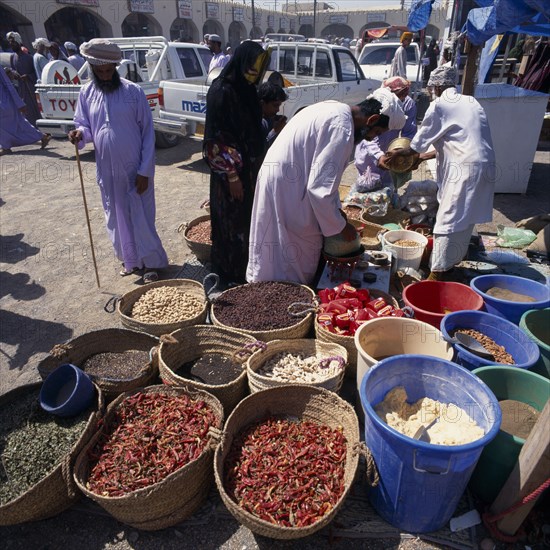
(150, 277)
(125, 272)
(45, 140)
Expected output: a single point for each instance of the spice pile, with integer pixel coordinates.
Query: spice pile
(260, 306)
(150, 436)
(406, 243)
(344, 309)
(33, 443)
(125, 365)
(352, 212)
(200, 233)
(499, 352)
(214, 369)
(301, 369)
(166, 304)
(287, 473)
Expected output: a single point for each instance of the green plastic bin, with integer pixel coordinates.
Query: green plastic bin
(500, 456)
(536, 324)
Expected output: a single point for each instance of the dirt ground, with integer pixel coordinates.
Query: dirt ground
(48, 294)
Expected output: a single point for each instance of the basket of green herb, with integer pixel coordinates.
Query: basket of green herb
(117, 360)
(150, 463)
(37, 453)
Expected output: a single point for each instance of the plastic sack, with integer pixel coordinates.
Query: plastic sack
(367, 199)
(367, 181)
(513, 237)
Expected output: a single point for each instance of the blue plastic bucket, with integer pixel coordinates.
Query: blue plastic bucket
(420, 483)
(506, 308)
(515, 341)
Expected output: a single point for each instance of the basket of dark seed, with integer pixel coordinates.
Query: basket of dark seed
(287, 459)
(197, 235)
(264, 311)
(164, 306)
(37, 452)
(150, 463)
(299, 361)
(208, 358)
(116, 359)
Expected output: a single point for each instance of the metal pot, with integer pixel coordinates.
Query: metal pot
(400, 165)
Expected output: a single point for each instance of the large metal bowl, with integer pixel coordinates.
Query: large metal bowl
(400, 165)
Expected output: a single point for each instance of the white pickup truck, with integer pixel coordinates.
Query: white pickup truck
(147, 61)
(318, 72)
(376, 58)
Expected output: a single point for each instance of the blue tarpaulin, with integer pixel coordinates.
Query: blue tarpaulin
(419, 15)
(501, 16)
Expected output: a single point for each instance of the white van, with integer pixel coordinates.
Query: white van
(282, 37)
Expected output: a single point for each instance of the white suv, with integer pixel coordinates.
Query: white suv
(376, 58)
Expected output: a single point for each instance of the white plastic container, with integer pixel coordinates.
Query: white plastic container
(404, 256)
(387, 336)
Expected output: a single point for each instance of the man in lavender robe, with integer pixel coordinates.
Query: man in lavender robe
(15, 129)
(113, 114)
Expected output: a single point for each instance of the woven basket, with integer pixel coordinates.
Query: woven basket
(343, 191)
(369, 234)
(169, 501)
(298, 330)
(201, 250)
(305, 403)
(193, 342)
(114, 340)
(57, 491)
(348, 342)
(309, 347)
(392, 216)
(124, 307)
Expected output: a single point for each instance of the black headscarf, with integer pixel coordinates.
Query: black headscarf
(233, 111)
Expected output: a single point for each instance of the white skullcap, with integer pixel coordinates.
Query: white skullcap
(16, 36)
(70, 46)
(41, 41)
(214, 38)
(391, 107)
(443, 76)
(100, 51)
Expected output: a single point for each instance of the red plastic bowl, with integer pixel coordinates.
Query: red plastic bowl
(432, 300)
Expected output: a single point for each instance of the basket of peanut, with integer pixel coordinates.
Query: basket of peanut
(164, 306)
(196, 234)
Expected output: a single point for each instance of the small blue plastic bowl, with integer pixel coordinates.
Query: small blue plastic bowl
(67, 391)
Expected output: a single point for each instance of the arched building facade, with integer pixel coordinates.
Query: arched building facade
(188, 20)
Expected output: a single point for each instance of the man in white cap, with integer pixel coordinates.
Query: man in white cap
(75, 59)
(40, 60)
(296, 202)
(457, 127)
(114, 114)
(219, 59)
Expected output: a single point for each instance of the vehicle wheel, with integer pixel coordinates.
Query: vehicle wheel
(165, 141)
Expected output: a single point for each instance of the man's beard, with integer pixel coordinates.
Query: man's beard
(360, 134)
(107, 86)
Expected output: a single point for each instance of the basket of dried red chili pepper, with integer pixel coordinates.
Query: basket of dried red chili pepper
(208, 358)
(37, 452)
(116, 359)
(287, 460)
(150, 463)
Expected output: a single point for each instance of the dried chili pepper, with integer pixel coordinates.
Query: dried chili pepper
(150, 436)
(287, 473)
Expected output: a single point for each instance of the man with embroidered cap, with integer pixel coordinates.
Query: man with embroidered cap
(296, 202)
(219, 59)
(399, 61)
(456, 126)
(74, 58)
(114, 114)
(40, 59)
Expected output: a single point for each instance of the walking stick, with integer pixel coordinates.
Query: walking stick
(86, 210)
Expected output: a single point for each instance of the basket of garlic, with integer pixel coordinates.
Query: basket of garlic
(300, 361)
(164, 306)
